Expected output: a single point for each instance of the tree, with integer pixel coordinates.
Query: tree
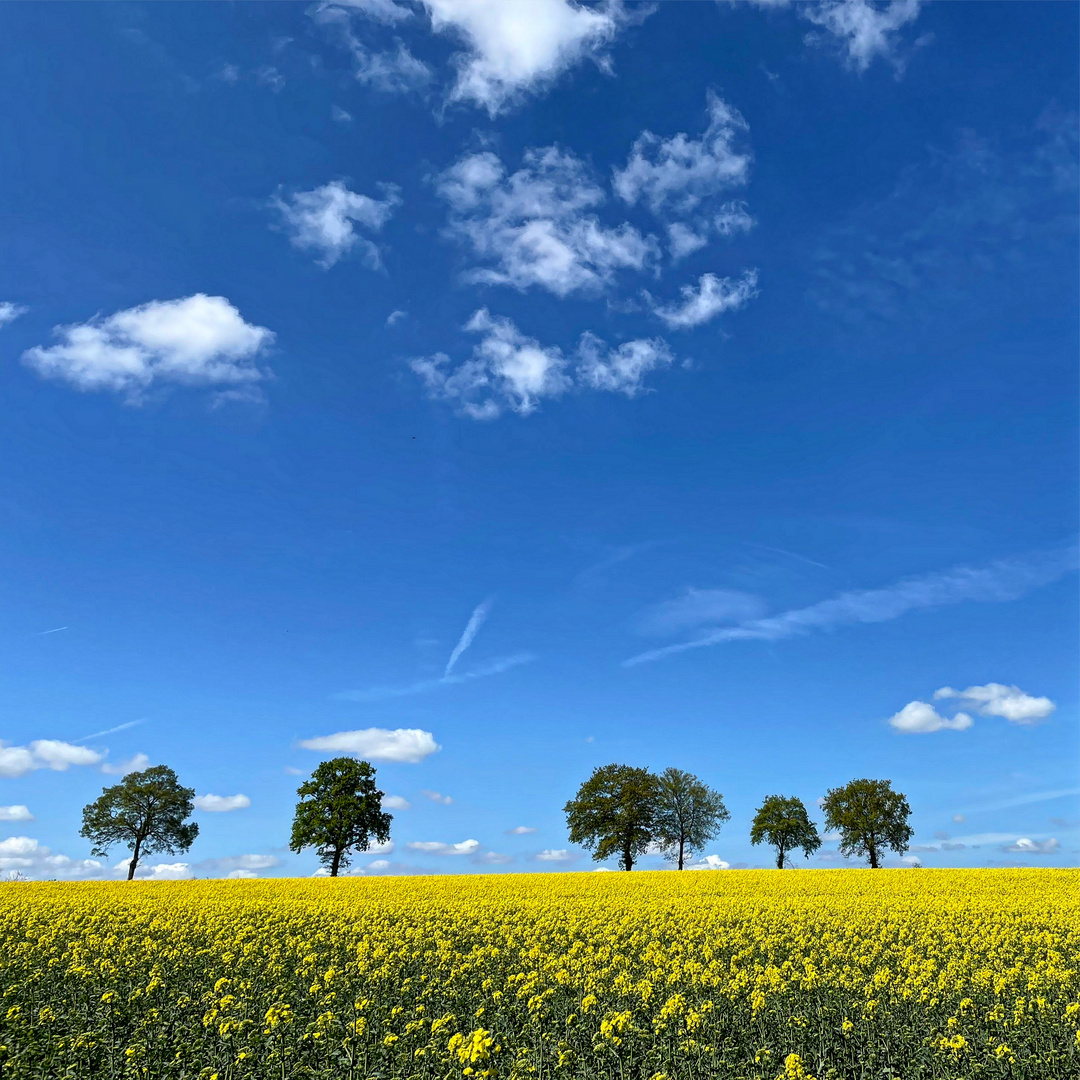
(147, 811)
(340, 811)
(614, 813)
(869, 816)
(688, 816)
(784, 824)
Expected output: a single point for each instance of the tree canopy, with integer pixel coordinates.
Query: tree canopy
(688, 814)
(784, 824)
(869, 816)
(614, 813)
(147, 811)
(339, 812)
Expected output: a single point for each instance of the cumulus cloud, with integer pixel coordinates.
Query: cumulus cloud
(435, 796)
(324, 221)
(379, 744)
(996, 699)
(685, 238)
(555, 855)
(234, 866)
(434, 847)
(395, 802)
(392, 71)
(1025, 846)
(10, 311)
(711, 297)
(678, 173)
(863, 30)
(44, 754)
(520, 830)
(221, 804)
(997, 582)
(492, 858)
(18, 812)
(197, 341)
(509, 371)
(537, 226)
(35, 860)
(135, 763)
(709, 862)
(918, 717)
(514, 49)
(178, 871)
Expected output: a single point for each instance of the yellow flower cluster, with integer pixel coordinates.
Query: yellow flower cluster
(747, 975)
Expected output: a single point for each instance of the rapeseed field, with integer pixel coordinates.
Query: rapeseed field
(742, 974)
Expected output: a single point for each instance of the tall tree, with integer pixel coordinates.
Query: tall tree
(614, 813)
(689, 814)
(869, 816)
(147, 811)
(340, 811)
(784, 824)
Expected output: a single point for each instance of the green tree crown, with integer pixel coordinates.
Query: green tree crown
(869, 816)
(688, 814)
(147, 811)
(339, 812)
(614, 813)
(784, 824)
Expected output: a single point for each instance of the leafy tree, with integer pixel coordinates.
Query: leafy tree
(615, 813)
(784, 824)
(147, 811)
(340, 811)
(869, 816)
(688, 815)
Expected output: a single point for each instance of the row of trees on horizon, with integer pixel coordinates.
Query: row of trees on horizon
(620, 811)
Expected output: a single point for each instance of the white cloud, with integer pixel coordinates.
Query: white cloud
(918, 717)
(18, 812)
(392, 72)
(395, 316)
(1025, 846)
(997, 582)
(26, 855)
(340, 115)
(44, 754)
(536, 227)
(713, 296)
(555, 855)
(10, 311)
(435, 796)
(383, 11)
(472, 628)
(996, 699)
(220, 804)
(235, 865)
(197, 341)
(709, 862)
(508, 370)
(323, 220)
(493, 858)
(379, 744)
(380, 849)
(864, 30)
(433, 847)
(677, 174)
(495, 667)
(179, 871)
(913, 861)
(696, 607)
(620, 370)
(959, 818)
(241, 875)
(518, 48)
(520, 830)
(136, 763)
(395, 802)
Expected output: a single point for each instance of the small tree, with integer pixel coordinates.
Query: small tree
(869, 816)
(688, 816)
(614, 813)
(147, 811)
(340, 811)
(784, 824)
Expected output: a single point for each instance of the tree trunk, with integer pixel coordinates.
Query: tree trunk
(682, 848)
(627, 858)
(134, 860)
(873, 855)
(336, 863)
(780, 857)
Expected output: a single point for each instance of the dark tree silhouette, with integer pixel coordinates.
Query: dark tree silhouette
(614, 813)
(784, 824)
(147, 812)
(688, 814)
(869, 816)
(340, 811)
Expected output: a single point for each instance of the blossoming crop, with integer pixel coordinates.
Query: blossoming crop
(747, 975)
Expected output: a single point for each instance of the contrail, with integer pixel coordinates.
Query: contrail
(42, 633)
(472, 628)
(110, 731)
(379, 693)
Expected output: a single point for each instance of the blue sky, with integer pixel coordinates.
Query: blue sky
(498, 391)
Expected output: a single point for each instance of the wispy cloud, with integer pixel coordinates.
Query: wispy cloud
(1022, 800)
(380, 693)
(472, 628)
(42, 633)
(111, 731)
(1005, 579)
